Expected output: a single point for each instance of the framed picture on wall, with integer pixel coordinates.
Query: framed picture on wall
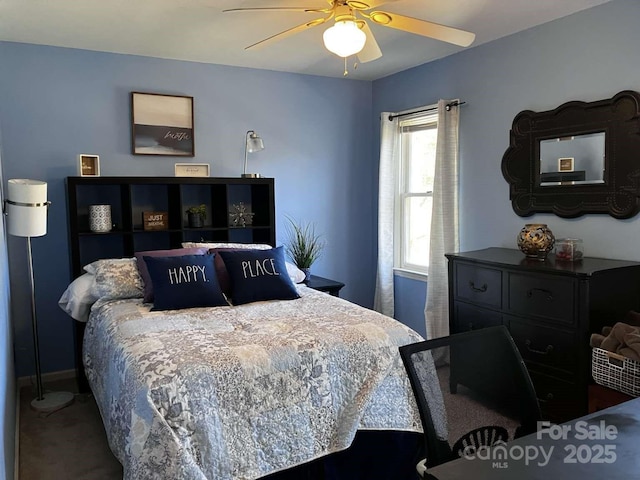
(565, 164)
(88, 165)
(162, 125)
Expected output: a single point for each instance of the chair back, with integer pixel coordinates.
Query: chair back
(484, 382)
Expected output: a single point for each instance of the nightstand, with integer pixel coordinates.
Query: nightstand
(325, 285)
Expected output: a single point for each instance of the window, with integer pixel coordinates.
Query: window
(414, 199)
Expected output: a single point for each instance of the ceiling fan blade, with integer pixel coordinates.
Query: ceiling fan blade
(424, 28)
(289, 32)
(368, 5)
(280, 9)
(371, 50)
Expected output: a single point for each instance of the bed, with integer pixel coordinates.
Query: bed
(242, 389)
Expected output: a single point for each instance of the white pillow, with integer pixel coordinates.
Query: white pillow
(296, 275)
(254, 246)
(77, 299)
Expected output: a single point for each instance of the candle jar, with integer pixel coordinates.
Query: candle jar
(569, 249)
(100, 218)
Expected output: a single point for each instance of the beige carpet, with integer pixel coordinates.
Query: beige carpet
(464, 413)
(69, 444)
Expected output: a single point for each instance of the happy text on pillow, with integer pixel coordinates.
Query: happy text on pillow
(186, 274)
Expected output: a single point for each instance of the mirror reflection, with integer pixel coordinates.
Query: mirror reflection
(573, 160)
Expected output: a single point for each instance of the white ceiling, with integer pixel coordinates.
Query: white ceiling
(197, 30)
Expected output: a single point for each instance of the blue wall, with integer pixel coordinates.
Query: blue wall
(587, 56)
(57, 103)
(7, 377)
(410, 296)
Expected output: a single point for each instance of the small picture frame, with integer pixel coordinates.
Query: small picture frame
(191, 169)
(88, 165)
(565, 164)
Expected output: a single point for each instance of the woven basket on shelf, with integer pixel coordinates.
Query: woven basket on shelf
(616, 371)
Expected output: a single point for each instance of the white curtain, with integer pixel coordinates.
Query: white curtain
(389, 151)
(444, 220)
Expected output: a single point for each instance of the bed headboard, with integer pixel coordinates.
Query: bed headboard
(227, 202)
(238, 210)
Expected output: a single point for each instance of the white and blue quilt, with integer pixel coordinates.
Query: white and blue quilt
(240, 392)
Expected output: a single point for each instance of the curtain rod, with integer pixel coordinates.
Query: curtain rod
(447, 108)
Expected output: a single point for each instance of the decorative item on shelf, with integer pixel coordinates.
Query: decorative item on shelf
(253, 143)
(536, 240)
(155, 220)
(303, 245)
(191, 169)
(197, 215)
(569, 249)
(26, 208)
(100, 218)
(88, 165)
(240, 215)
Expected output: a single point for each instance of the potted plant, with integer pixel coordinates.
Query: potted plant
(303, 245)
(197, 215)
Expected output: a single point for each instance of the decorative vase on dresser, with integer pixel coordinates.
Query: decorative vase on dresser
(551, 308)
(536, 240)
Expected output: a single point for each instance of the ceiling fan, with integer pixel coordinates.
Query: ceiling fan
(351, 35)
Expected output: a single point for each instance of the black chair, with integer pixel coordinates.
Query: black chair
(482, 378)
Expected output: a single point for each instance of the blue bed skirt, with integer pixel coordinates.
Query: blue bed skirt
(373, 455)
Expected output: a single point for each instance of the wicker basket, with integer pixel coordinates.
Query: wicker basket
(616, 371)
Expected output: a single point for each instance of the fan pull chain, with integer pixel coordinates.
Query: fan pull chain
(346, 71)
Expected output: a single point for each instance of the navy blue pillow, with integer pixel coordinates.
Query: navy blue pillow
(184, 281)
(258, 275)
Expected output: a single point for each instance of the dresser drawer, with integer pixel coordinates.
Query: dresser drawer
(546, 296)
(478, 285)
(545, 346)
(470, 317)
(559, 400)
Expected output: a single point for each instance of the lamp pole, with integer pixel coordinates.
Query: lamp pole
(34, 324)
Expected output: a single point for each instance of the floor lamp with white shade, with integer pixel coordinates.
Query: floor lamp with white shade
(26, 208)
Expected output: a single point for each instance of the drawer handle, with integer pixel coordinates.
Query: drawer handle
(546, 399)
(481, 289)
(543, 291)
(546, 351)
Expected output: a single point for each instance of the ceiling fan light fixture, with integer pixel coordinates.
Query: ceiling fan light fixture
(344, 38)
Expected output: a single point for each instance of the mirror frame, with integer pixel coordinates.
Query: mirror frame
(619, 195)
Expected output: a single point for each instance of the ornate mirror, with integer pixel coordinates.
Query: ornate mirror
(579, 158)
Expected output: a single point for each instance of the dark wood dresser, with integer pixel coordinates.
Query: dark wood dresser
(550, 307)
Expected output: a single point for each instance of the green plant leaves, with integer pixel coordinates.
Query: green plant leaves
(303, 246)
